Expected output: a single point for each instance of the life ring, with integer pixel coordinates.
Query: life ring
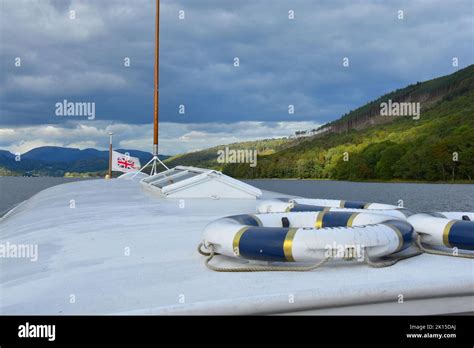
(308, 236)
(446, 229)
(280, 205)
(440, 229)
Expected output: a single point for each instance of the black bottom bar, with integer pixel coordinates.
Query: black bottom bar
(224, 331)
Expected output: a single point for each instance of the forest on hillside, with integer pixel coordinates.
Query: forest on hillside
(438, 147)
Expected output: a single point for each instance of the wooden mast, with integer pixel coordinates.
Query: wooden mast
(156, 85)
(155, 160)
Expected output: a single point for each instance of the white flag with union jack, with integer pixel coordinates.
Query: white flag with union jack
(124, 163)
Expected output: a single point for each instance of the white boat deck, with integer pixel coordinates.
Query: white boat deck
(82, 256)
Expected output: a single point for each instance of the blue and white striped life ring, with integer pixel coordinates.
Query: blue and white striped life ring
(308, 236)
(441, 229)
(446, 229)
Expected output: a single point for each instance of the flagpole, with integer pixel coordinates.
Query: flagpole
(110, 154)
(156, 80)
(155, 160)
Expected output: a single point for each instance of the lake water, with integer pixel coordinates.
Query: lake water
(419, 197)
(15, 189)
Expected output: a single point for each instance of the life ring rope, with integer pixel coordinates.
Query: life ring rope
(428, 250)
(263, 268)
(256, 268)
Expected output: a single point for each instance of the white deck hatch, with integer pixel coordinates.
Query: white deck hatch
(192, 182)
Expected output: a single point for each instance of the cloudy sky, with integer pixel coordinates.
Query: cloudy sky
(283, 62)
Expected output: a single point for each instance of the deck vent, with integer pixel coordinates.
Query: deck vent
(193, 182)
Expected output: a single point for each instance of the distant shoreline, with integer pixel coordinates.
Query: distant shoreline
(396, 181)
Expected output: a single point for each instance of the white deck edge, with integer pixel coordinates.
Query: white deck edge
(310, 300)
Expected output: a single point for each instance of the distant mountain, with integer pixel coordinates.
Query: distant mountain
(58, 161)
(6, 155)
(53, 154)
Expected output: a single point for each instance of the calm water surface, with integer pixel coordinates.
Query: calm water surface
(15, 189)
(419, 197)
